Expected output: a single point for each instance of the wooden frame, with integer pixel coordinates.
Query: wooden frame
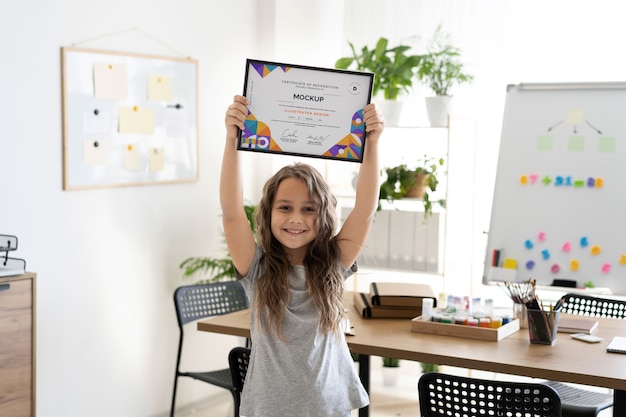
(128, 119)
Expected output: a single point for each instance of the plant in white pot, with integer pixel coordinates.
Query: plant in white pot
(391, 371)
(394, 71)
(440, 69)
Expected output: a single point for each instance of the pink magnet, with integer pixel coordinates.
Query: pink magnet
(541, 236)
(533, 178)
(606, 268)
(567, 247)
(555, 269)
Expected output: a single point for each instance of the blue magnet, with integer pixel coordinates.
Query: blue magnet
(545, 253)
(530, 265)
(528, 244)
(584, 242)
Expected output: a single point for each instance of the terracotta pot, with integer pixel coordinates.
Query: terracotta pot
(419, 188)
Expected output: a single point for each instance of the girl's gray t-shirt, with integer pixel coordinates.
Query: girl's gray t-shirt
(309, 373)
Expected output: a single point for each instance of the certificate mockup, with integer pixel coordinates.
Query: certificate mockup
(305, 111)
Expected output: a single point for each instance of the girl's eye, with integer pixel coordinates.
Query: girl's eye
(283, 208)
(309, 209)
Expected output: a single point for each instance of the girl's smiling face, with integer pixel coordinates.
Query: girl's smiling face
(294, 218)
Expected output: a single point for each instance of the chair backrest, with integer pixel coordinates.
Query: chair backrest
(451, 395)
(586, 305)
(238, 360)
(198, 301)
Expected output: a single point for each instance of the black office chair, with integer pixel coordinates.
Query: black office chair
(238, 360)
(451, 395)
(580, 402)
(195, 302)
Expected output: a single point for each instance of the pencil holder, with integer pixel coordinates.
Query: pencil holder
(543, 326)
(519, 312)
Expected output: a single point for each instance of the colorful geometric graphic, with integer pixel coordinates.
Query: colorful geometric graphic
(265, 69)
(351, 146)
(257, 135)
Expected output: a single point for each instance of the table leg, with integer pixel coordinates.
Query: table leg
(364, 374)
(619, 403)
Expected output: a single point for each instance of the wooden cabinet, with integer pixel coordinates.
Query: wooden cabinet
(17, 345)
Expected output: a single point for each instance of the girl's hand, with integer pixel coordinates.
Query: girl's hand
(374, 122)
(235, 116)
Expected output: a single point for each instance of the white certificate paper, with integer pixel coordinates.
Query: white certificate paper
(305, 111)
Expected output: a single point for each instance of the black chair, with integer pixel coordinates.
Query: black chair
(199, 301)
(587, 305)
(238, 360)
(580, 402)
(451, 395)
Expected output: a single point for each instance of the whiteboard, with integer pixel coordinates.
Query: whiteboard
(559, 205)
(128, 119)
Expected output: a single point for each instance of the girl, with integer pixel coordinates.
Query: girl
(300, 363)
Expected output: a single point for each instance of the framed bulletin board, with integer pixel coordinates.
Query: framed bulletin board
(128, 119)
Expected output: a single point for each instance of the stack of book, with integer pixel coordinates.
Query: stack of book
(393, 300)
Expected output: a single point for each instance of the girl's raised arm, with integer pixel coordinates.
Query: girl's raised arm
(357, 225)
(239, 237)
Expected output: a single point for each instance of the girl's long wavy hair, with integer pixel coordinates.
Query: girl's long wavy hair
(322, 262)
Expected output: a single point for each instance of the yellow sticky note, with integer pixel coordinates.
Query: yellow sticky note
(575, 117)
(110, 81)
(131, 157)
(159, 88)
(136, 120)
(510, 263)
(157, 159)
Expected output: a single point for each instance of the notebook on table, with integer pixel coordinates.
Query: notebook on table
(617, 345)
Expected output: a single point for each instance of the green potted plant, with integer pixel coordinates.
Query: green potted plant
(391, 371)
(440, 69)
(219, 268)
(403, 181)
(394, 71)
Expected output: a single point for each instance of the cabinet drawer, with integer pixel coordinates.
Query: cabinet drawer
(16, 348)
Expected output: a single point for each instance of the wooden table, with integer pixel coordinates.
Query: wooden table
(567, 361)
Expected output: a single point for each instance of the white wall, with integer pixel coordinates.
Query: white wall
(107, 260)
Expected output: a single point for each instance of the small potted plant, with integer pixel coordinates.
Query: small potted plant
(219, 268)
(440, 69)
(403, 181)
(390, 371)
(394, 71)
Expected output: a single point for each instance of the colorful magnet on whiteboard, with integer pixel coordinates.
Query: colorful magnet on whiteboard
(595, 250)
(528, 244)
(622, 259)
(584, 241)
(135, 108)
(591, 182)
(530, 265)
(574, 265)
(567, 247)
(523, 180)
(555, 269)
(545, 254)
(599, 183)
(541, 236)
(533, 178)
(606, 268)
(510, 263)
(546, 180)
(130, 147)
